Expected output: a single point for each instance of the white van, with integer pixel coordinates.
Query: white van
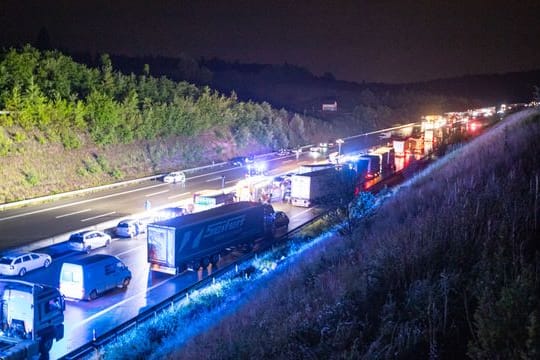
(88, 277)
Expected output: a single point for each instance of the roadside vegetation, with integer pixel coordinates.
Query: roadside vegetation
(62, 121)
(445, 266)
(66, 126)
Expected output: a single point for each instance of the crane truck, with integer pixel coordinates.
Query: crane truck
(32, 316)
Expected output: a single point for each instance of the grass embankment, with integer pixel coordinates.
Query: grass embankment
(445, 268)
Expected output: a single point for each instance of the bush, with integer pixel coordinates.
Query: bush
(31, 178)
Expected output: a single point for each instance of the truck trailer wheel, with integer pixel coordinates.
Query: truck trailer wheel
(93, 295)
(45, 346)
(125, 283)
(214, 259)
(205, 261)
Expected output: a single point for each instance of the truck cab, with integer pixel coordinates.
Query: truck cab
(32, 316)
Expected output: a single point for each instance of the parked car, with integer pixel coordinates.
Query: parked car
(88, 240)
(175, 177)
(130, 228)
(20, 263)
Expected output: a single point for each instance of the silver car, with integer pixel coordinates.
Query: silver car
(175, 177)
(130, 228)
(88, 240)
(20, 263)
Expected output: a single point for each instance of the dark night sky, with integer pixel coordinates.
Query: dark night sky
(382, 40)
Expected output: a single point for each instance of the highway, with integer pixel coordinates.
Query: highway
(29, 224)
(83, 319)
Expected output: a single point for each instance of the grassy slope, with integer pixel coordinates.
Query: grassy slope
(36, 169)
(44, 169)
(446, 268)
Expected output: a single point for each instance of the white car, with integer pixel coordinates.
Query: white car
(88, 240)
(130, 228)
(175, 177)
(20, 263)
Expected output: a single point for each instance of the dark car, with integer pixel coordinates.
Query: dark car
(241, 160)
(284, 152)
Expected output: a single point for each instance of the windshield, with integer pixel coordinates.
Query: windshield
(76, 238)
(6, 261)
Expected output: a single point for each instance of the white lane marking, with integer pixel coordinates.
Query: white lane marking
(214, 179)
(179, 195)
(73, 213)
(98, 216)
(231, 181)
(80, 202)
(130, 250)
(98, 314)
(301, 213)
(157, 193)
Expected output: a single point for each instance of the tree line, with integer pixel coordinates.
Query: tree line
(59, 100)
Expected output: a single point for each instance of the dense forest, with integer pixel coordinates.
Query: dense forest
(61, 98)
(86, 119)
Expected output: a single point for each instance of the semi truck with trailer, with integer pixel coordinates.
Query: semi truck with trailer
(312, 187)
(307, 168)
(387, 159)
(367, 166)
(199, 239)
(32, 317)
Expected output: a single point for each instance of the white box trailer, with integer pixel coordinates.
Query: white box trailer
(311, 187)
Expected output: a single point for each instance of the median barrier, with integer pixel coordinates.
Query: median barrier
(43, 199)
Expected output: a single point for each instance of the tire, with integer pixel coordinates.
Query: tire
(205, 261)
(107, 243)
(46, 263)
(88, 249)
(45, 345)
(22, 271)
(93, 295)
(126, 282)
(214, 259)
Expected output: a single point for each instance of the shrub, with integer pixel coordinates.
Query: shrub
(5, 143)
(31, 178)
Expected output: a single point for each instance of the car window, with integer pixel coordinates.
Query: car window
(76, 238)
(71, 276)
(6, 261)
(109, 269)
(34, 256)
(18, 261)
(27, 258)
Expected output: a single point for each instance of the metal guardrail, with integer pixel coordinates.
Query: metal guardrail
(42, 199)
(233, 269)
